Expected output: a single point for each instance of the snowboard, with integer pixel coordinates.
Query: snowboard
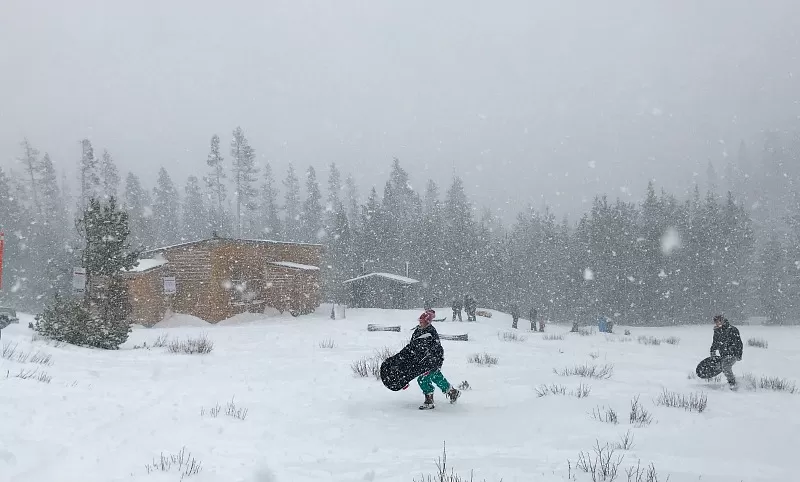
(709, 367)
(397, 371)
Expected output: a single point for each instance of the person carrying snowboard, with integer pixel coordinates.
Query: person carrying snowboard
(430, 354)
(729, 344)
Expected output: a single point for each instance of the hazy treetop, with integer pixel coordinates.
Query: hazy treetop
(524, 98)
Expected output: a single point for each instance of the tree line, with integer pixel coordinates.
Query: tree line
(731, 246)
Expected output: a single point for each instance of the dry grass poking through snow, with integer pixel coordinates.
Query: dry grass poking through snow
(231, 410)
(34, 374)
(605, 414)
(182, 462)
(582, 391)
(482, 359)
(442, 475)
(366, 366)
(587, 371)
(552, 337)
(694, 402)
(652, 340)
(327, 343)
(200, 345)
(639, 416)
(510, 336)
(10, 352)
(751, 382)
(602, 464)
(758, 343)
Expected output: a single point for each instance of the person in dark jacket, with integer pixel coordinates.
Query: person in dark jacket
(430, 354)
(728, 343)
(457, 307)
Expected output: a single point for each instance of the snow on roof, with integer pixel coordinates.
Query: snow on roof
(289, 264)
(198, 241)
(147, 264)
(394, 277)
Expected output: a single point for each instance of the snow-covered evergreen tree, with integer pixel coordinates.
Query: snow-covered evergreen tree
(270, 224)
(109, 176)
(166, 206)
(195, 216)
(138, 205)
(89, 175)
(311, 217)
(291, 204)
(215, 182)
(244, 176)
(352, 202)
(33, 171)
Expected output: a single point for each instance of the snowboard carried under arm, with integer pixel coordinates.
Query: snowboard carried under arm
(399, 370)
(709, 367)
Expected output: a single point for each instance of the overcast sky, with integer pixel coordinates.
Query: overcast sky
(522, 97)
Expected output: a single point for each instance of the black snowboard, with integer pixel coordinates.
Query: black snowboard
(709, 367)
(397, 371)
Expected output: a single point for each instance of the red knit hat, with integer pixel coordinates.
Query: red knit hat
(427, 315)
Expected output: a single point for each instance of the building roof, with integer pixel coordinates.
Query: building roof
(242, 240)
(394, 277)
(289, 264)
(147, 264)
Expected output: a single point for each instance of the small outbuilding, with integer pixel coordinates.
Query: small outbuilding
(383, 290)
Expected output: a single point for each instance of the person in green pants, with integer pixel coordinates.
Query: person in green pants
(429, 349)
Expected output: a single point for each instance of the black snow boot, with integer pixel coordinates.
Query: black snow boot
(453, 394)
(428, 405)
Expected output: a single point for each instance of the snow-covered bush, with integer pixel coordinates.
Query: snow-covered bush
(648, 340)
(69, 321)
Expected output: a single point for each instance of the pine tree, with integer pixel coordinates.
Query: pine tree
(106, 255)
(215, 181)
(311, 215)
(773, 290)
(460, 239)
(292, 227)
(138, 204)
(165, 210)
(109, 176)
(195, 217)
(244, 175)
(270, 223)
(353, 203)
(10, 223)
(88, 174)
(33, 171)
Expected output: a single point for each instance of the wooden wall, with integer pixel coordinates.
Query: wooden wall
(145, 292)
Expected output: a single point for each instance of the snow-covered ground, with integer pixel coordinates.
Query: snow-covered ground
(104, 416)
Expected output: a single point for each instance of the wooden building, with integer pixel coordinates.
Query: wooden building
(218, 278)
(383, 290)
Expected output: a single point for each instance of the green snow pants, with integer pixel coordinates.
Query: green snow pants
(426, 382)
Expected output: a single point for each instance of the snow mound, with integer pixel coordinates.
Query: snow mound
(181, 320)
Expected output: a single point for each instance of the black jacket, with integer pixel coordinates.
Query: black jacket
(427, 348)
(728, 341)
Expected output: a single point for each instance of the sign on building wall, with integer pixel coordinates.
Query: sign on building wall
(170, 287)
(78, 280)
